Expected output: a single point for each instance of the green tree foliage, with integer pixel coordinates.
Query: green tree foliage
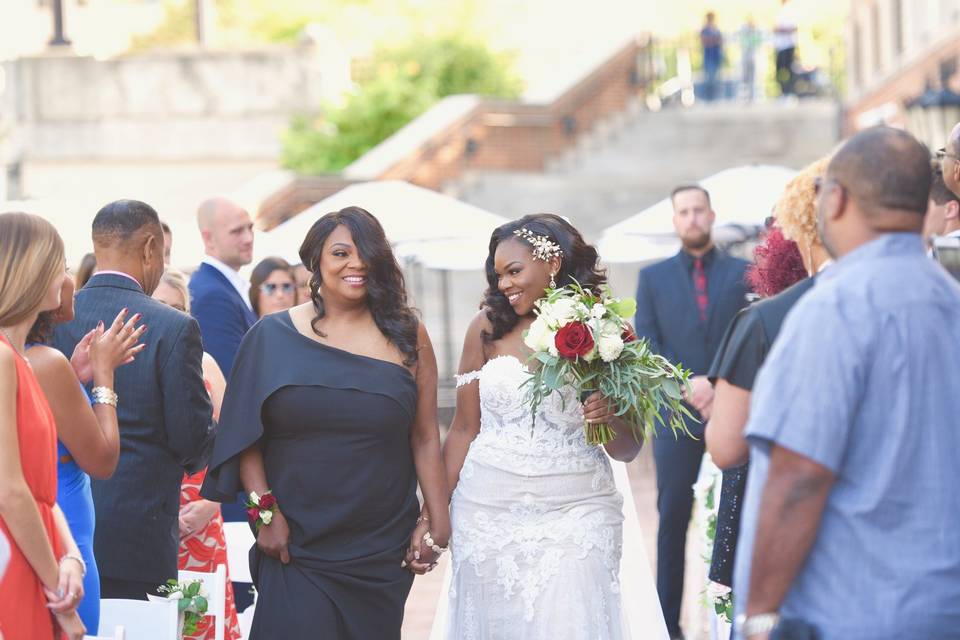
(393, 88)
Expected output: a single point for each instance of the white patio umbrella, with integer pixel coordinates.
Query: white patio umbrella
(743, 197)
(447, 232)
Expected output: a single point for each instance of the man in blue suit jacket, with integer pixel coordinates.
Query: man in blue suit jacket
(163, 408)
(219, 295)
(684, 305)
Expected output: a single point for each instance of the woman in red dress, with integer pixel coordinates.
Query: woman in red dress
(43, 584)
(202, 542)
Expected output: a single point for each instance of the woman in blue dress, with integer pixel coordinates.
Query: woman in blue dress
(88, 436)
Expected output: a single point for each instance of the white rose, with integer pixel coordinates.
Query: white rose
(716, 590)
(266, 516)
(176, 595)
(254, 498)
(539, 337)
(598, 310)
(559, 313)
(610, 347)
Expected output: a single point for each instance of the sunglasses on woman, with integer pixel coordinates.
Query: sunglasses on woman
(270, 288)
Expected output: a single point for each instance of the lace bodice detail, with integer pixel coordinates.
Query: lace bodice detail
(554, 434)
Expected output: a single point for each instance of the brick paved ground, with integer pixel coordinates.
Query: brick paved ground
(423, 598)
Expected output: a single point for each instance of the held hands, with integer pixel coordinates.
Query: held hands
(273, 538)
(66, 598)
(70, 625)
(105, 350)
(420, 558)
(195, 515)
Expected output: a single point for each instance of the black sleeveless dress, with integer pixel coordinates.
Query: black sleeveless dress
(334, 428)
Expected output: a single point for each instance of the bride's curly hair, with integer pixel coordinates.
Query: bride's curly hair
(580, 263)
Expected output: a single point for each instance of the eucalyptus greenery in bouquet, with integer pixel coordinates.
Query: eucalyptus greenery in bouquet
(584, 339)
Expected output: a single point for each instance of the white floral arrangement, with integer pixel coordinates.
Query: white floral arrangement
(192, 602)
(585, 339)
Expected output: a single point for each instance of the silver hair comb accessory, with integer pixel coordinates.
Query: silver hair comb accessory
(543, 248)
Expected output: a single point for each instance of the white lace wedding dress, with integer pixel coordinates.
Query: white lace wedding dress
(537, 525)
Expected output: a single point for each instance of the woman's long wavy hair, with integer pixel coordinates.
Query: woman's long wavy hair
(580, 263)
(386, 291)
(31, 258)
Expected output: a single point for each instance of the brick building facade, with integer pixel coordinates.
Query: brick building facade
(897, 49)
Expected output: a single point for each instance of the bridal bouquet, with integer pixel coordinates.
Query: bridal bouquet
(584, 339)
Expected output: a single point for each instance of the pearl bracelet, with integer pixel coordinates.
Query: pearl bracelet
(104, 395)
(70, 556)
(437, 549)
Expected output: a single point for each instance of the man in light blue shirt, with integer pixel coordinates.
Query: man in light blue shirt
(851, 519)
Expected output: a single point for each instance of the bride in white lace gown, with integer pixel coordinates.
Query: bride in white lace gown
(537, 518)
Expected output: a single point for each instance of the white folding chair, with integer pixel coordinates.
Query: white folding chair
(215, 584)
(239, 540)
(118, 634)
(140, 619)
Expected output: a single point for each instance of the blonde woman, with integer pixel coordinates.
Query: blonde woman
(202, 542)
(43, 584)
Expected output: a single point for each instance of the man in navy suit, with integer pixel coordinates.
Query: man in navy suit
(220, 296)
(684, 305)
(163, 409)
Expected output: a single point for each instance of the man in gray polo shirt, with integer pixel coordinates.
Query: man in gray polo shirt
(851, 519)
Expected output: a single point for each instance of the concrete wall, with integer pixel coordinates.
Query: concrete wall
(195, 105)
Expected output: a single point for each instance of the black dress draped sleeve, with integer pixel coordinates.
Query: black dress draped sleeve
(334, 431)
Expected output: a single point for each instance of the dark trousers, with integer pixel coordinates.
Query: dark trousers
(785, 70)
(678, 463)
(111, 588)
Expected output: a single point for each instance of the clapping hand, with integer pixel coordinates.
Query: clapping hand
(105, 350)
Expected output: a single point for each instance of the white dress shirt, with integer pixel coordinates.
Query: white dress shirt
(241, 284)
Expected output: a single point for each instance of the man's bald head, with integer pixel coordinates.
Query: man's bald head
(884, 170)
(950, 162)
(227, 231)
(953, 140)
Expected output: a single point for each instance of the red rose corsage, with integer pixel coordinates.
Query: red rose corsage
(260, 508)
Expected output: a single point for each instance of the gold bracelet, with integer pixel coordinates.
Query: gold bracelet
(104, 395)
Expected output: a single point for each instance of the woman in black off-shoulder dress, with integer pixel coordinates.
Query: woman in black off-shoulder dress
(332, 407)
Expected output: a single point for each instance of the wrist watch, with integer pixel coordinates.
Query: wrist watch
(760, 623)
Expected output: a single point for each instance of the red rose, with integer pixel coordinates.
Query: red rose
(267, 501)
(628, 335)
(252, 514)
(574, 340)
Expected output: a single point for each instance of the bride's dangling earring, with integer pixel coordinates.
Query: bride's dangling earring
(553, 283)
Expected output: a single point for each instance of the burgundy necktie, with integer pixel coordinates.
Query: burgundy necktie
(700, 288)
